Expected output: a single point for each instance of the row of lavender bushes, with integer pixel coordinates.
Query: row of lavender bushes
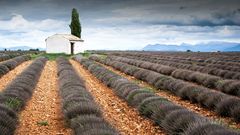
(10, 64)
(231, 87)
(177, 58)
(212, 70)
(231, 57)
(79, 108)
(4, 56)
(219, 59)
(14, 97)
(222, 104)
(172, 118)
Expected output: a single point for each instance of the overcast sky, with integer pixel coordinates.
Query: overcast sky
(120, 24)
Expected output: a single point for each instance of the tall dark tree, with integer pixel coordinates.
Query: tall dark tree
(75, 25)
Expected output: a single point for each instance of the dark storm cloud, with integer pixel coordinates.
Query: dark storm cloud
(137, 22)
(183, 13)
(128, 12)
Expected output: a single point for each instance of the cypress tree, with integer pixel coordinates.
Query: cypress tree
(75, 25)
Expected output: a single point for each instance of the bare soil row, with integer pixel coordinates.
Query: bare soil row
(43, 115)
(126, 119)
(177, 100)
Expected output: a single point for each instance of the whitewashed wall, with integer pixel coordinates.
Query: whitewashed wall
(78, 47)
(58, 45)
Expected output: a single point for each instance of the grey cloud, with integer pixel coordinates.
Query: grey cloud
(138, 22)
(132, 12)
(182, 7)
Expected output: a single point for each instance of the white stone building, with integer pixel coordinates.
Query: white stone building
(64, 43)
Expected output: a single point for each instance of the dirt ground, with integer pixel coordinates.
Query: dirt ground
(185, 103)
(42, 115)
(7, 78)
(116, 111)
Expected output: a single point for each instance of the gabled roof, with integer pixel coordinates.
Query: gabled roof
(70, 37)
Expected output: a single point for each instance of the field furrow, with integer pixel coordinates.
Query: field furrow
(42, 115)
(177, 100)
(174, 119)
(126, 119)
(7, 78)
(183, 89)
(221, 70)
(208, 81)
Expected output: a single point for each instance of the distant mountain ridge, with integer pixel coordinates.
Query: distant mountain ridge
(202, 47)
(20, 48)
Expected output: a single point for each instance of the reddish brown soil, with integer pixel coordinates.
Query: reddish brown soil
(177, 100)
(7, 78)
(116, 111)
(44, 107)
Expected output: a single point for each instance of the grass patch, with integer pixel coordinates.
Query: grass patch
(13, 103)
(86, 54)
(103, 57)
(42, 123)
(34, 56)
(137, 81)
(148, 88)
(51, 56)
